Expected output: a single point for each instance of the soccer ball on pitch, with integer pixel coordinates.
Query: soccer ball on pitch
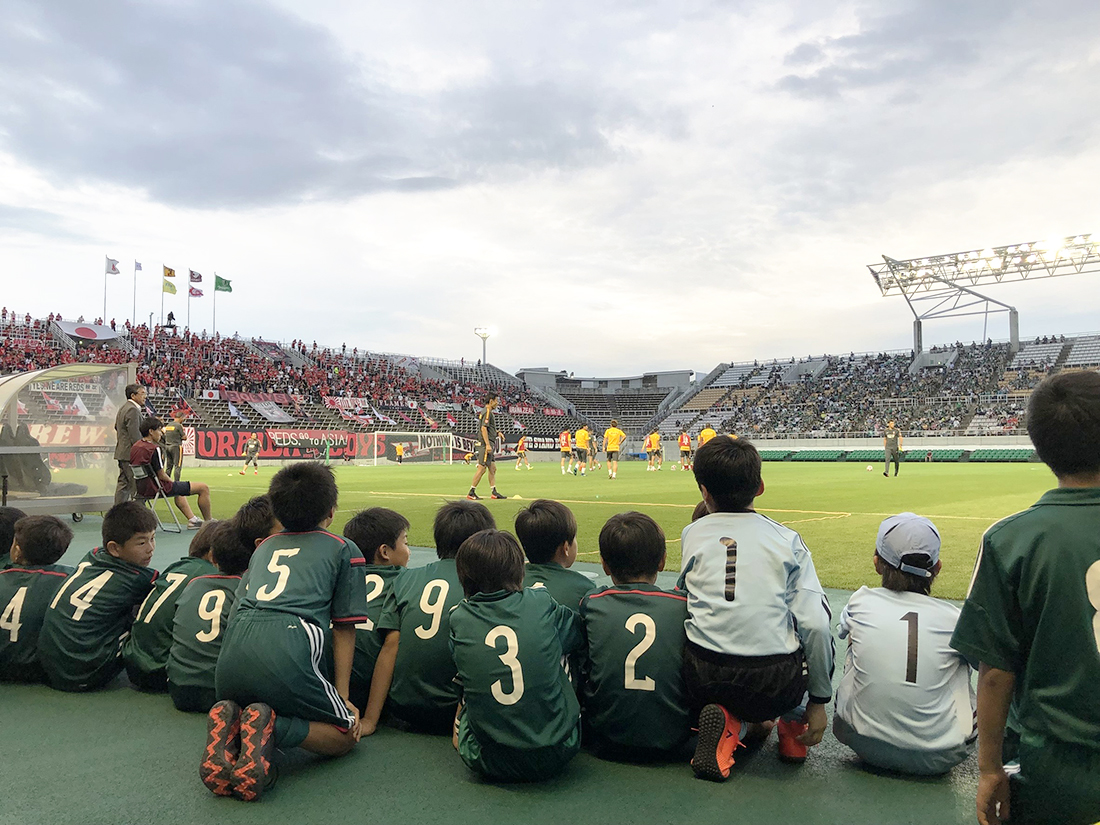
(870, 469)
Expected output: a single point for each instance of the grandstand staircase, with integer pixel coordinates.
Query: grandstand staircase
(64, 340)
(1060, 361)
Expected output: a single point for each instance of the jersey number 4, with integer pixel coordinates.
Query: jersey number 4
(9, 620)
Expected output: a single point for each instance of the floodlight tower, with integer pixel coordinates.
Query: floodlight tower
(943, 286)
(483, 333)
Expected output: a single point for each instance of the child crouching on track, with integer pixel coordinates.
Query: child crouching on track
(519, 719)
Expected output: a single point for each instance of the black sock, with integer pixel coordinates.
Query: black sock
(473, 491)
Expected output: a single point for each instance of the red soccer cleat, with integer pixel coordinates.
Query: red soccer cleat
(719, 737)
(790, 749)
(223, 744)
(253, 770)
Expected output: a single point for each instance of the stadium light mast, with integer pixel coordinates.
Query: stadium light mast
(943, 286)
(483, 333)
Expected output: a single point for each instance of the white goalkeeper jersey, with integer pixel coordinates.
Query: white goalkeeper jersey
(903, 683)
(752, 591)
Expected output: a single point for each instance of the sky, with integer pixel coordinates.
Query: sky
(612, 187)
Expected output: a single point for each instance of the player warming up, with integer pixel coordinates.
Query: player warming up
(891, 442)
(685, 450)
(758, 634)
(487, 439)
(251, 451)
(613, 440)
(521, 452)
(565, 445)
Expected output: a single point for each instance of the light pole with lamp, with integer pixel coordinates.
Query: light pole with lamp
(483, 333)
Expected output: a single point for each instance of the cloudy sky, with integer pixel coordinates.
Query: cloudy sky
(616, 187)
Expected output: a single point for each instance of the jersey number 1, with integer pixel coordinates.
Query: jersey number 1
(911, 618)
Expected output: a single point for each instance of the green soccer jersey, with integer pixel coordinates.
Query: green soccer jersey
(508, 649)
(89, 618)
(419, 606)
(379, 579)
(567, 586)
(1032, 610)
(202, 613)
(146, 650)
(25, 593)
(5, 560)
(634, 693)
(314, 575)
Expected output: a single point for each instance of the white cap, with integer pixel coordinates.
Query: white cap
(908, 534)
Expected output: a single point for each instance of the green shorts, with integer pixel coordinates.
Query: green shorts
(1057, 783)
(514, 764)
(276, 658)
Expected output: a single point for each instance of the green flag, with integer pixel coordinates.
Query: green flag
(222, 285)
(168, 287)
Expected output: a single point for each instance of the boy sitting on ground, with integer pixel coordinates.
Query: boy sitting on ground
(414, 668)
(145, 454)
(201, 615)
(548, 532)
(383, 536)
(758, 627)
(519, 719)
(635, 705)
(145, 652)
(299, 582)
(89, 619)
(905, 701)
(26, 590)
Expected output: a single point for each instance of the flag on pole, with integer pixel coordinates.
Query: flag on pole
(194, 293)
(431, 422)
(451, 420)
(21, 408)
(168, 287)
(112, 267)
(196, 278)
(51, 405)
(169, 272)
(137, 266)
(222, 284)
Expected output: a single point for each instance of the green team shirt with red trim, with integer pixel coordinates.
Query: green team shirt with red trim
(90, 617)
(201, 616)
(315, 575)
(150, 638)
(419, 606)
(25, 594)
(567, 586)
(634, 691)
(378, 581)
(508, 649)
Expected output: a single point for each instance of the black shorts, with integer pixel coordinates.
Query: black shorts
(484, 457)
(612, 455)
(566, 454)
(582, 454)
(250, 458)
(752, 688)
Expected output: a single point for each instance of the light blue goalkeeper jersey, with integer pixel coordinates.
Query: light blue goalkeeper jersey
(752, 591)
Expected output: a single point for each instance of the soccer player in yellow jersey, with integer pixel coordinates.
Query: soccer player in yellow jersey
(613, 439)
(521, 452)
(565, 444)
(706, 435)
(581, 440)
(658, 451)
(685, 450)
(647, 445)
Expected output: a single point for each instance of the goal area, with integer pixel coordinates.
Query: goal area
(420, 448)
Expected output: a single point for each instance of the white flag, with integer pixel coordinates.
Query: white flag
(112, 267)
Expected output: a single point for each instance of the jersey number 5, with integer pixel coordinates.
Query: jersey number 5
(268, 592)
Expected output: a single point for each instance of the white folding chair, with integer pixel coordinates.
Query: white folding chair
(145, 471)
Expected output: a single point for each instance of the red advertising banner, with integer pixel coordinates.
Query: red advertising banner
(552, 411)
(228, 445)
(521, 409)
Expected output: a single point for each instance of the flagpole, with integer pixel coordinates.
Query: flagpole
(161, 303)
(189, 303)
(214, 320)
(105, 268)
(133, 313)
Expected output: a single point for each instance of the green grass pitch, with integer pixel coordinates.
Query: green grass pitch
(837, 507)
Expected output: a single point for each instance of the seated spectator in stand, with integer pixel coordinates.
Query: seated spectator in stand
(26, 590)
(145, 452)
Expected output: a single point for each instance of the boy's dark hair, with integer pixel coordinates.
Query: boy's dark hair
(488, 561)
(901, 582)
(302, 495)
(229, 553)
(372, 528)
(455, 522)
(489, 396)
(42, 539)
(1063, 420)
(700, 511)
(149, 424)
(203, 539)
(132, 390)
(633, 546)
(125, 519)
(254, 520)
(730, 470)
(8, 517)
(542, 527)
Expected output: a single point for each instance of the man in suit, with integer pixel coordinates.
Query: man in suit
(128, 433)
